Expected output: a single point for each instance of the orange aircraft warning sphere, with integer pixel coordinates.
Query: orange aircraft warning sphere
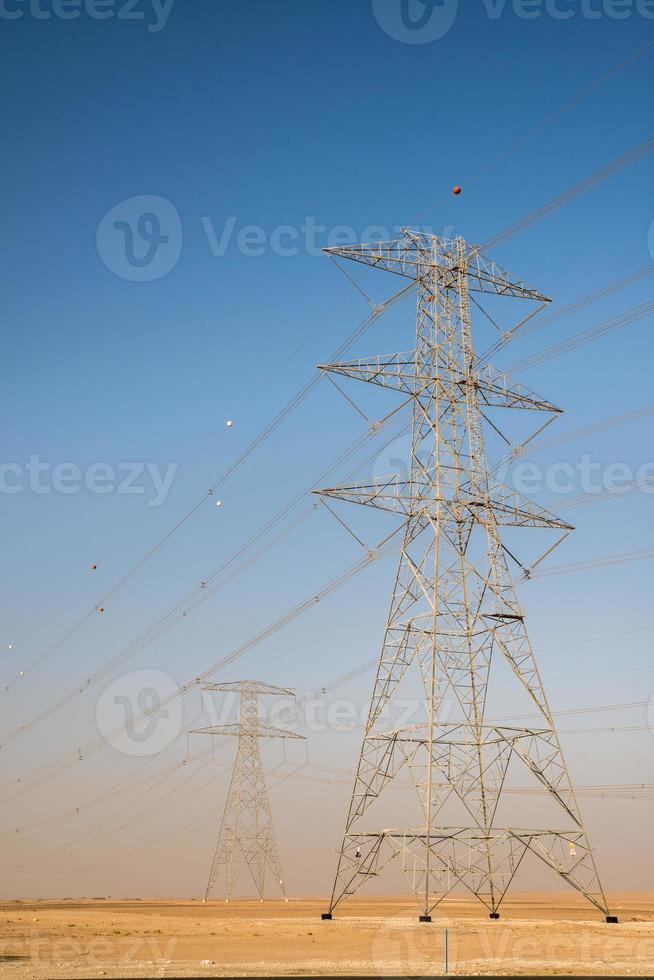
(456, 189)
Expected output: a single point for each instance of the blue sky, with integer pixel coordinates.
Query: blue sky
(268, 114)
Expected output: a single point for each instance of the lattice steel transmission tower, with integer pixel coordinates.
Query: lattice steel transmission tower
(454, 612)
(246, 838)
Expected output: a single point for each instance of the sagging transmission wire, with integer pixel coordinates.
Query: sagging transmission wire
(111, 792)
(150, 782)
(362, 669)
(553, 117)
(587, 335)
(575, 341)
(578, 340)
(51, 770)
(574, 307)
(124, 785)
(385, 548)
(206, 819)
(337, 774)
(601, 425)
(601, 561)
(579, 188)
(628, 791)
(592, 180)
(308, 387)
(260, 388)
(83, 842)
(563, 712)
(155, 630)
(266, 432)
(571, 309)
(272, 784)
(619, 490)
(369, 665)
(641, 791)
(202, 591)
(604, 560)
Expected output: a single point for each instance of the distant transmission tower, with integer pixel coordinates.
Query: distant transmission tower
(454, 611)
(247, 837)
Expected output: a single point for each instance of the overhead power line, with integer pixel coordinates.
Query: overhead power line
(282, 415)
(548, 319)
(554, 116)
(578, 340)
(53, 769)
(223, 575)
(574, 502)
(584, 185)
(580, 566)
(267, 431)
(305, 390)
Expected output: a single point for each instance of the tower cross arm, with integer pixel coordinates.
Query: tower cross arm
(396, 371)
(262, 731)
(254, 687)
(399, 372)
(418, 256)
(391, 494)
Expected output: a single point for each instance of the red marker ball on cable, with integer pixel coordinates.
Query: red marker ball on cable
(456, 189)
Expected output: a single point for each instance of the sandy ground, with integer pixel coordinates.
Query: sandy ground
(537, 934)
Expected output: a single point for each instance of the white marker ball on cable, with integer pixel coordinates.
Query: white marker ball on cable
(229, 423)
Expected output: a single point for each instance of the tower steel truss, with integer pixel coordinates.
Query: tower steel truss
(246, 838)
(454, 609)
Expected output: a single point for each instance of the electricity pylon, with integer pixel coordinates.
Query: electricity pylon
(454, 610)
(246, 838)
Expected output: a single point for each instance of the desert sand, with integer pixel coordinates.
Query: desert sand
(537, 934)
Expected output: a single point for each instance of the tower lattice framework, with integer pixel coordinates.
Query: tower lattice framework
(453, 610)
(246, 838)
